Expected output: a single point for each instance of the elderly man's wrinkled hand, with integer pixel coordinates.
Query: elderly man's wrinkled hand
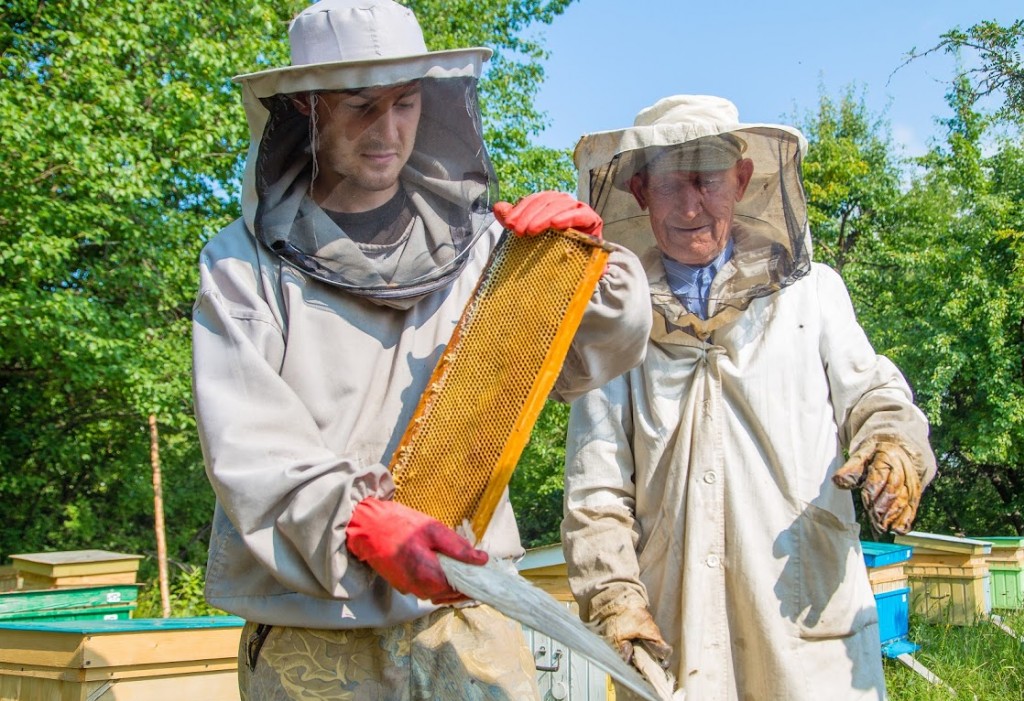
(634, 626)
(548, 210)
(890, 487)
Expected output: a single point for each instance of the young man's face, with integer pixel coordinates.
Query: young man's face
(690, 211)
(363, 140)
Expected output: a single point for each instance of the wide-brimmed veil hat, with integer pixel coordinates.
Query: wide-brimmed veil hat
(700, 129)
(339, 44)
(704, 133)
(350, 46)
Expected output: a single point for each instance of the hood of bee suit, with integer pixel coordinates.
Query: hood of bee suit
(417, 243)
(700, 133)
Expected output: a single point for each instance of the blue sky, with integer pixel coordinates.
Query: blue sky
(611, 58)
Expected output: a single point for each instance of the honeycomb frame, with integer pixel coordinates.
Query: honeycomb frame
(473, 421)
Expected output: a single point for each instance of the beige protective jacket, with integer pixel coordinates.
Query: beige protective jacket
(303, 391)
(699, 484)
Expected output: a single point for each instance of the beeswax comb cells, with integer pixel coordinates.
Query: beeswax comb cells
(474, 419)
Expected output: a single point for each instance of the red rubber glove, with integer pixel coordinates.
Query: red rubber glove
(401, 545)
(548, 210)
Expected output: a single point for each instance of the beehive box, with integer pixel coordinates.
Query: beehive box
(9, 579)
(891, 586)
(949, 577)
(75, 568)
(102, 603)
(893, 616)
(545, 569)
(886, 563)
(1006, 565)
(175, 659)
(570, 676)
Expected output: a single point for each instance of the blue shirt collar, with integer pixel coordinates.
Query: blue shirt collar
(684, 274)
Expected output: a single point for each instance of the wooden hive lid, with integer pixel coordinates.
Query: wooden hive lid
(933, 543)
(75, 562)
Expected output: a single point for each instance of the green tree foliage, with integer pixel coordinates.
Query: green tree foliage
(122, 148)
(851, 178)
(999, 68)
(536, 488)
(961, 317)
(934, 267)
(122, 133)
(185, 595)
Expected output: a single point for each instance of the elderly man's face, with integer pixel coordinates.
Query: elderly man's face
(363, 140)
(691, 212)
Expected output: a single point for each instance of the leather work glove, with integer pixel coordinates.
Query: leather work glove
(890, 487)
(401, 544)
(634, 626)
(548, 210)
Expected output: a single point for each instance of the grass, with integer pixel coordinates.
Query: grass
(979, 662)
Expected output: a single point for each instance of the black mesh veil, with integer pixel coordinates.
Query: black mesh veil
(771, 243)
(446, 189)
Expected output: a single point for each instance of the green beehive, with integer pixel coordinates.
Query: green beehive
(1006, 564)
(100, 603)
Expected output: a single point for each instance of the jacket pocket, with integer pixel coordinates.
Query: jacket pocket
(835, 599)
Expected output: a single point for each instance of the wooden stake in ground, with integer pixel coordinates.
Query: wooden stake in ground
(158, 519)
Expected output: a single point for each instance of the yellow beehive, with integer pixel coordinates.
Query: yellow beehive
(948, 577)
(75, 568)
(1007, 551)
(888, 578)
(175, 659)
(545, 568)
(9, 579)
(474, 419)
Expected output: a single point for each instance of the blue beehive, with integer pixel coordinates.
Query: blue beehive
(892, 594)
(878, 555)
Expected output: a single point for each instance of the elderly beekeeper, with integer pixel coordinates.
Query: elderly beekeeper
(707, 515)
(368, 218)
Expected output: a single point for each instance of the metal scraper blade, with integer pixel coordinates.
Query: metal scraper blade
(515, 597)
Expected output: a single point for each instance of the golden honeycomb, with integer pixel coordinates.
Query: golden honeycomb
(475, 417)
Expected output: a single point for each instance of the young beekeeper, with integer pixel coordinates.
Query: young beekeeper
(367, 223)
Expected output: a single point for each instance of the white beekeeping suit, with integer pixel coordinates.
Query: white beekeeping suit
(367, 224)
(698, 485)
